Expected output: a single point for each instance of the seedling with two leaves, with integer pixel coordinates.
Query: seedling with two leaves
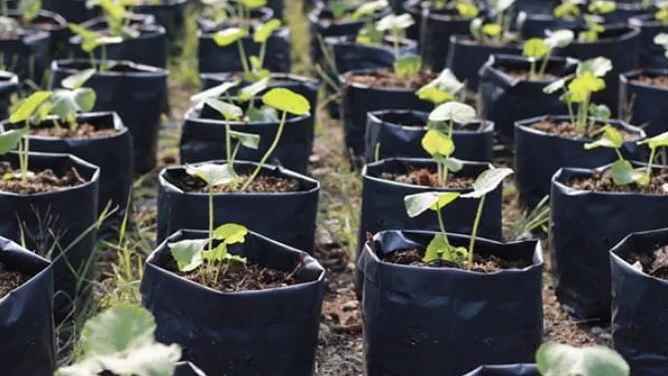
(241, 10)
(121, 341)
(594, 20)
(622, 170)
(536, 49)
(62, 105)
(586, 81)
(440, 250)
(253, 66)
(444, 88)
(498, 30)
(438, 140)
(464, 8)
(404, 65)
(282, 100)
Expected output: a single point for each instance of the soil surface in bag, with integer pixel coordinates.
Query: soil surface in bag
(639, 280)
(494, 317)
(399, 133)
(506, 370)
(292, 200)
(216, 330)
(26, 312)
(586, 225)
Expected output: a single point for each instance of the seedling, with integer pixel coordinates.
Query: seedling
(537, 48)
(121, 341)
(91, 40)
(586, 81)
(404, 66)
(594, 20)
(439, 248)
(365, 13)
(661, 15)
(117, 16)
(221, 10)
(554, 359)
(253, 66)
(497, 31)
(465, 9)
(622, 171)
(28, 9)
(438, 140)
(568, 9)
(443, 88)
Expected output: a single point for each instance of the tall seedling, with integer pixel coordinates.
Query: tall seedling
(497, 31)
(541, 48)
(396, 25)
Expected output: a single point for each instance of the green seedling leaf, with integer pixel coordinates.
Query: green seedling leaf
(442, 89)
(116, 330)
(583, 85)
(229, 36)
(29, 9)
(66, 103)
(492, 29)
(368, 9)
(452, 164)
(623, 173)
(286, 100)
(661, 39)
(598, 67)
(253, 90)
(9, 140)
(263, 114)
(440, 250)
(231, 233)
(247, 140)
(600, 112)
(408, 65)
(602, 6)
(436, 143)
(215, 91)
(487, 181)
(458, 112)
(568, 9)
(78, 79)
(657, 141)
(535, 48)
(611, 138)
(229, 111)
(559, 38)
(29, 106)
(188, 253)
(476, 28)
(559, 360)
(395, 22)
(264, 31)
(213, 174)
(467, 9)
(555, 86)
(419, 203)
(254, 4)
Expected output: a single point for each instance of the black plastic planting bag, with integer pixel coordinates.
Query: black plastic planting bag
(51, 23)
(308, 87)
(399, 133)
(651, 55)
(644, 103)
(435, 29)
(203, 139)
(187, 369)
(288, 217)
(150, 48)
(138, 93)
(621, 45)
(9, 84)
(111, 153)
(585, 226)
(383, 205)
(170, 14)
(445, 321)
(505, 99)
(26, 315)
(213, 58)
(27, 55)
(639, 306)
(358, 100)
(50, 223)
(466, 56)
(538, 155)
(506, 370)
(73, 10)
(266, 332)
(351, 56)
(536, 24)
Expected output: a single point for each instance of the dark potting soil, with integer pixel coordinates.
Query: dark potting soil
(386, 79)
(236, 277)
(601, 181)
(567, 129)
(657, 81)
(83, 131)
(261, 184)
(655, 264)
(37, 182)
(487, 264)
(9, 280)
(428, 178)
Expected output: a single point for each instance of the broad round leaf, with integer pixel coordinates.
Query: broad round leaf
(253, 4)
(458, 112)
(228, 36)
(611, 138)
(661, 39)
(154, 360)
(213, 174)
(264, 31)
(231, 233)
(395, 22)
(487, 181)
(29, 106)
(535, 48)
(559, 360)
(227, 110)
(118, 329)
(559, 38)
(10, 139)
(598, 66)
(286, 100)
(437, 144)
(657, 141)
(188, 253)
(417, 204)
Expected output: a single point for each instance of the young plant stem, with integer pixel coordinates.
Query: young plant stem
(395, 43)
(228, 144)
(441, 225)
(652, 154)
(532, 69)
(210, 218)
(263, 53)
(265, 157)
(474, 233)
(543, 66)
(242, 56)
(24, 146)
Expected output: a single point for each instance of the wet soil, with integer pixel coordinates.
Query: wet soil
(427, 178)
(602, 182)
(654, 264)
(657, 81)
(386, 79)
(482, 264)
(37, 182)
(262, 184)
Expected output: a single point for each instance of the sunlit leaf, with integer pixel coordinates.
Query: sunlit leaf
(229, 36)
(286, 100)
(419, 203)
(10, 139)
(488, 181)
(395, 22)
(264, 31)
(535, 48)
(78, 79)
(231, 233)
(559, 360)
(611, 138)
(29, 106)
(228, 110)
(188, 253)
(212, 173)
(458, 112)
(436, 143)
